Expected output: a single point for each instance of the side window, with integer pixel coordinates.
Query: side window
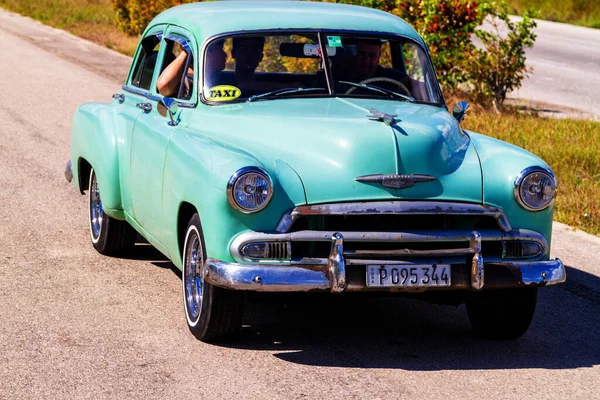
(412, 62)
(177, 74)
(146, 62)
(420, 73)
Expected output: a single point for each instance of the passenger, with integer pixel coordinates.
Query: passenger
(247, 53)
(170, 78)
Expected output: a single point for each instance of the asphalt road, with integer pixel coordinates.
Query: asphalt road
(566, 70)
(75, 324)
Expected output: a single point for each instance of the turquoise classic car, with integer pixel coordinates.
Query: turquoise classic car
(295, 147)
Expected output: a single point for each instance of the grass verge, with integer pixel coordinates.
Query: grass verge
(570, 147)
(90, 19)
(576, 12)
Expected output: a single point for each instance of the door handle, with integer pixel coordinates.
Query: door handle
(145, 106)
(119, 96)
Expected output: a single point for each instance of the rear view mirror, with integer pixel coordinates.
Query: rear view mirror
(460, 110)
(168, 105)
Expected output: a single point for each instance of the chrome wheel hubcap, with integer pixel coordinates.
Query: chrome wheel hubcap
(96, 212)
(193, 276)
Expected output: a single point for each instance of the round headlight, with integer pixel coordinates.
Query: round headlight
(535, 188)
(250, 189)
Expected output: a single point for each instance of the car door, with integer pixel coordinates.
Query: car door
(153, 131)
(135, 92)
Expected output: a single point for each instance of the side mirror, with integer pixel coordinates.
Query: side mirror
(460, 110)
(168, 105)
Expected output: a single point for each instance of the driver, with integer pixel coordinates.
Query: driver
(365, 65)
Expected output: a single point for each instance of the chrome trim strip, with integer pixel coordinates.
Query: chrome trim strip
(409, 253)
(303, 278)
(519, 179)
(393, 208)
(405, 237)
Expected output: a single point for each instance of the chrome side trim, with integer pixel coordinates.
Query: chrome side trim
(406, 237)
(393, 208)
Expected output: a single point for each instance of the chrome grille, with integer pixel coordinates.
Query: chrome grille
(513, 249)
(278, 250)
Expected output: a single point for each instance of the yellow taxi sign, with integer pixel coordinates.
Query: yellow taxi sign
(222, 93)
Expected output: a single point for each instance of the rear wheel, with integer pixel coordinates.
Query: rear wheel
(109, 236)
(503, 313)
(211, 312)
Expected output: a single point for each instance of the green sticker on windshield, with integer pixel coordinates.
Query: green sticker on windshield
(334, 41)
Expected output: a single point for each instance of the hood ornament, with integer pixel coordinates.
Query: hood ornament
(395, 181)
(377, 115)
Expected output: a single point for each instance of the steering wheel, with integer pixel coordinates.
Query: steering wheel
(399, 84)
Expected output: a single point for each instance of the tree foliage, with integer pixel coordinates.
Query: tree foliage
(132, 16)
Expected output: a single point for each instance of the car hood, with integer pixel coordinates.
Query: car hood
(330, 142)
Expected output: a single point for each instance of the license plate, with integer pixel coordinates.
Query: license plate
(408, 275)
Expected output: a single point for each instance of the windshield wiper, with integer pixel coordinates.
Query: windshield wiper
(281, 92)
(374, 88)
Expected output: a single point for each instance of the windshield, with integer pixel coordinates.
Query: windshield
(272, 66)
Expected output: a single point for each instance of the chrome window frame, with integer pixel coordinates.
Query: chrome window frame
(147, 93)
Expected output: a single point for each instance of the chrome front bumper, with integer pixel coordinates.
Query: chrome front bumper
(334, 276)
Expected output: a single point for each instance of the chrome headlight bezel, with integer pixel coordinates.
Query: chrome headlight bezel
(241, 173)
(522, 177)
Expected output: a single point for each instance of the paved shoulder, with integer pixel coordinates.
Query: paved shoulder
(581, 252)
(96, 58)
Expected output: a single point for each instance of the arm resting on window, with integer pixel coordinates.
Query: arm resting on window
(169, 80)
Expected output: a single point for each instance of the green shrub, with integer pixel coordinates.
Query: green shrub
(499, 66)
(446, 26)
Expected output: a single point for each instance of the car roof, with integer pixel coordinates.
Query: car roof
(208, 19)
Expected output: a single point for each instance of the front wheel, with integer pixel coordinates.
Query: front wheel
(109, 236)
(502, 313)
(211, 312)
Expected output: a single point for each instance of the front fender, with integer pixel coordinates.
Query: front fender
(94, 139)
(197, 170)
(501, 162)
